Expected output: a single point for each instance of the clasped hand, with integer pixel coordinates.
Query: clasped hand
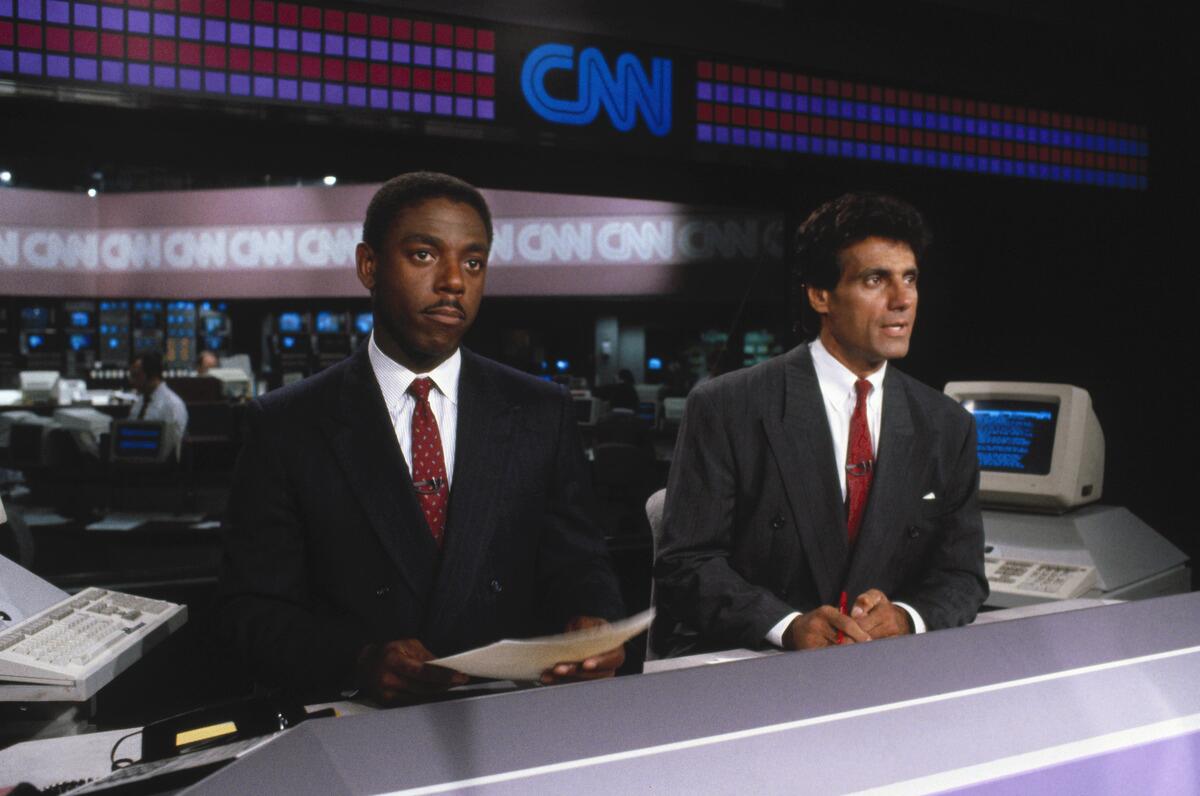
(873, 616)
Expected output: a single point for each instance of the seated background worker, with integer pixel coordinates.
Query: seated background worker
(206, 361)
(825, 470)
(415, 500)
(157, 401)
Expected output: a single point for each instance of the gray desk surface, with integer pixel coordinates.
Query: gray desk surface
(947, 710)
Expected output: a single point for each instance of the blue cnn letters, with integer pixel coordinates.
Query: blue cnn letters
(622, 93)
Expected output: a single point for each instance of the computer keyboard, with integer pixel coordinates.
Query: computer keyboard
(68, 642)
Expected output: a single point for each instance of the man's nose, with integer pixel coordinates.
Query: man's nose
(450, 276)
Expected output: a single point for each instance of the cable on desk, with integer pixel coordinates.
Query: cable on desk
(124, 761)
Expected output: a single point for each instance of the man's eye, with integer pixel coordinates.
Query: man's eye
(475, 264)
(422, 255)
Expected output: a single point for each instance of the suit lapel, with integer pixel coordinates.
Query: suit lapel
(800, 441)
(897, 473)
(485, 425)
(364, 443)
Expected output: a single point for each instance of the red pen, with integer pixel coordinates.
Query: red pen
(842, 610)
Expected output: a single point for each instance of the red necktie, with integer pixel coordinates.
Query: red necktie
(860, 461)
(428, 464)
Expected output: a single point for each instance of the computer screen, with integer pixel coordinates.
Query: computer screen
(1040, 446)
(364, 322)
(80, 319)
(35, 317)
(290, 322)
(134, 440)
(331, 322)
(80, 341)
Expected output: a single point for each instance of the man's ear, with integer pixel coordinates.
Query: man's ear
(364, 264)
(818, 299)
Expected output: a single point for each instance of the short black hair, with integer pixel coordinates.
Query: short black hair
(848, 219)
(414, 188)
(152, 364)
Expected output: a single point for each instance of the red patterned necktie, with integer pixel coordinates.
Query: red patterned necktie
(860, 461)
(428, 464)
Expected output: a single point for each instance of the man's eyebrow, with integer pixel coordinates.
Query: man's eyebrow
(421, 237)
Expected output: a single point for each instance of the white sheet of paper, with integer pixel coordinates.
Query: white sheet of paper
(526, 659)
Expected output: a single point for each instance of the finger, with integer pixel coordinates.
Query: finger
(438, 675)
(866, 602)
(605, 660)
(850, 627)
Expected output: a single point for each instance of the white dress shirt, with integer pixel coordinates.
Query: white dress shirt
(837, 390)
(167, 406)
(394, 380)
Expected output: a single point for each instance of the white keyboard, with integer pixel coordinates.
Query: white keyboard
(69, 641)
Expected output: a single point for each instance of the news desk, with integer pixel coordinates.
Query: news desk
(1103, 700)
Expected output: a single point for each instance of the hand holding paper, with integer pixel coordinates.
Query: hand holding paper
(530, 659)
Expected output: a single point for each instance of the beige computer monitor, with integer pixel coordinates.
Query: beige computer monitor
(1040, 445)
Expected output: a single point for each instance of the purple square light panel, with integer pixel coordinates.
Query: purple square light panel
(86, 69)
(164, 24)
(704, 91)
(443, 58)
(58, 12)
(704, 132)
(6, 8)
(214, 30)
(401, 101)
(139, 21)
(422, 103)
(264, 86)
(310, 91)
(423, 55)
(214, 82)
(443, 105)
(239, 85)
(112, 18)
(239, 33)
(189, 27)
(288, 89)
(264, 36)
(29, 9)
(463, 106)
(6, 60)
(310, 42)
(58, 66)
(356, 96)
(464, 61)
(334, 94)
(189, 79)
(485, 63)
(164, 76)
(379, 50)
(112, 71)
(379, 98)
(356, 47)
(334, 44)
(401, 53)
(139, 74)
(85, 15)
(289, 39)
(721, 134)
(485, 109)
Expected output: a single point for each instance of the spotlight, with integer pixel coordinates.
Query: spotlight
(6, 177)
(330, 180)
(92, 192)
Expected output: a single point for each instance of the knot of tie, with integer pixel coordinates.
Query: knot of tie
(862, 389)
(420, 389)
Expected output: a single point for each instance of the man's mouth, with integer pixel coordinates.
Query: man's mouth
(896, 329)
(450, 313)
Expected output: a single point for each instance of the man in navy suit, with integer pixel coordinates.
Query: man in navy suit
(825, 477)
(416, 499)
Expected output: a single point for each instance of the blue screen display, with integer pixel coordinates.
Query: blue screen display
(1015, 436)
(365, 322)
(35, 317)
(653, 363)
(288, 342)
(80, 342)
(81, 320)
(329, 323)
(289, 322)
(35, 341)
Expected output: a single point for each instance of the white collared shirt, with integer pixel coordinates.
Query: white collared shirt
(394, 380)
(168, 407)
(837, 392)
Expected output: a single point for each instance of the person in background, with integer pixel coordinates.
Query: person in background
(206, 362)
(157, 401)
